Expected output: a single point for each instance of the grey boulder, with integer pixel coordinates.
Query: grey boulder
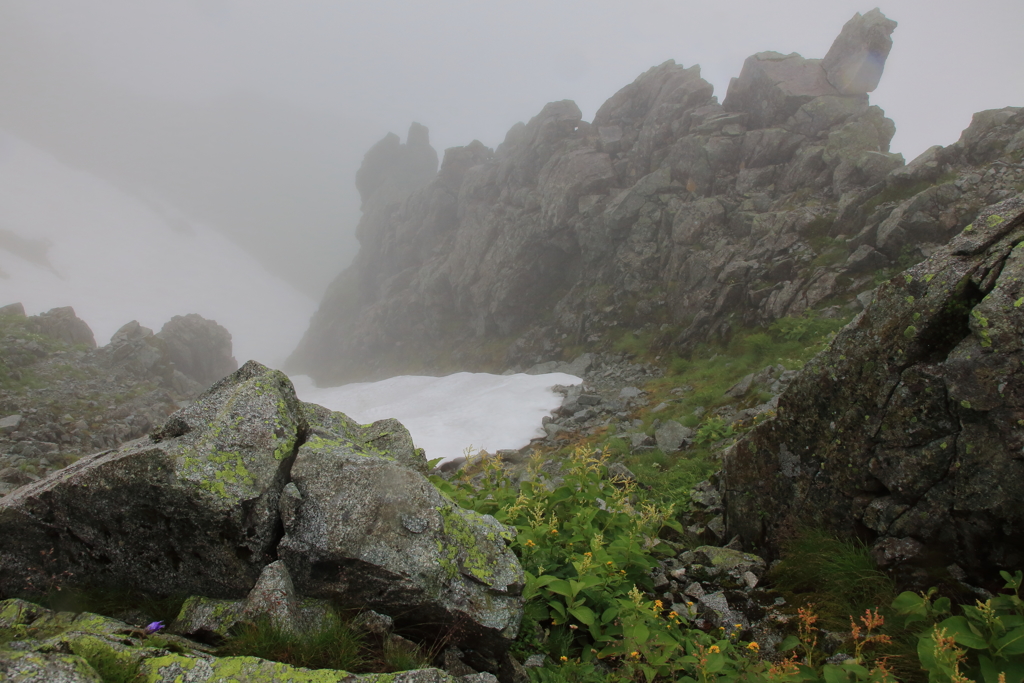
(193, 508)
(857, 57)
(368, 531)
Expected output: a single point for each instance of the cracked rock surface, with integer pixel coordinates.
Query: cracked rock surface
(908, 428)
(248, 475)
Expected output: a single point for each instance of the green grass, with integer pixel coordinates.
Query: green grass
(837, 576)
(839, 580)
(336, 645)
(111, 667)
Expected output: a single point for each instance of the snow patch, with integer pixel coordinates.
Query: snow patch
(448, 415)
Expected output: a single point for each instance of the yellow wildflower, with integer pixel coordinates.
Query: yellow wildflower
(529, 543)
(658, 604)
(714, 649)
(753, 646)
(554, 531)
(564, 658)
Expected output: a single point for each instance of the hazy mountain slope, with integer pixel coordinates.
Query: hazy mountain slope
(670, 212)
(68, 238)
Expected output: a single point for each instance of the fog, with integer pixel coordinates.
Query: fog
(249, 118)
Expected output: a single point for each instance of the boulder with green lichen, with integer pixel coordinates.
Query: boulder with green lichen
(367, 530)
(38, 644)
(908, 428)
(193, 508)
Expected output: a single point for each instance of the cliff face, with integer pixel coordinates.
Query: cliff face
(670, 210)
(907, 431)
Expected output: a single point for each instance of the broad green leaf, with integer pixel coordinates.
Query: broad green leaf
(560, 586)
(1011, 644)
(788, 643)
(856, 669)
(835, 674)
(540, 581)
(716, 660)
(908, 602)
(584, 614)
(609, 615)
(964, 633)
(637, 633)
(989, 670)
(926, 653)
(558, 607)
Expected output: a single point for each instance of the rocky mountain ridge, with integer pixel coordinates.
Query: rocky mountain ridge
(669, 211)
(64, 397)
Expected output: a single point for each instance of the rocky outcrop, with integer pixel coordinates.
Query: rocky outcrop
(70, 398)
(190, 509)
(669, 212)
(63, 324)
(373, 532)
(391, 171)
(246, 475)
(907, 430)
(199, 348)
(856, 59)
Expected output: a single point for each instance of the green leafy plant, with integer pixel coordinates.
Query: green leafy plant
(713, 429)
(587, 544)
(987, 639)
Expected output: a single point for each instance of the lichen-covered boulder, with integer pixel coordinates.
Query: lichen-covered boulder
(908, 429)
(193, 508)
(365, 529)
(57, 647)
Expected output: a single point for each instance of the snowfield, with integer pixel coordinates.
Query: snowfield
(448, 416)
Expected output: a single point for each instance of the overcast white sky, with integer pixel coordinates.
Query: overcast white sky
(471, 69)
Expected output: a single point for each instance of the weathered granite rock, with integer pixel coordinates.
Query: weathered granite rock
(671, 436)
(773, 86)
(371, 532)
(63, 324)
(199, 348)
(856, 59)
(273, 598)
(908, 426)
(193, 508)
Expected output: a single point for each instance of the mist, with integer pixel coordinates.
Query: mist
(248, 119)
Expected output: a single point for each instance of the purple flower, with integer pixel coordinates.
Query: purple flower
(154, 627)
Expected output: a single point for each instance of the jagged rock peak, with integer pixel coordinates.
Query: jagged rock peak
(856, 59)
(391, 171)
(772, 86)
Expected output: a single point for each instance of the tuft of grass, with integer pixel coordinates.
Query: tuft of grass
(837, 576)
(111, 667)
(402, 655)
(337, 644)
